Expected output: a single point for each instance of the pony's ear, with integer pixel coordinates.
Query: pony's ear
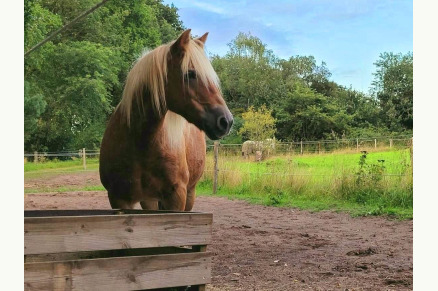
(203, 38)
(180, 44)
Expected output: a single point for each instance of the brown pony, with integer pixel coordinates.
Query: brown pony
(153, 149)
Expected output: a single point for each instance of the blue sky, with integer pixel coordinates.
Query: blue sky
(347, 35)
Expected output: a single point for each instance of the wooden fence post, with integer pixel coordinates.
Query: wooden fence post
(390, 143)
(35, 157)
(216, 170)
(357, 144)
(301, 144)
(375, 143)
(84, 158)
(319, 147)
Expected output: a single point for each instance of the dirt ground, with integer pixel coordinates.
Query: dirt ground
(266, 248)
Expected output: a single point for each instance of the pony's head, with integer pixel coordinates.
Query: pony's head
(179, 77)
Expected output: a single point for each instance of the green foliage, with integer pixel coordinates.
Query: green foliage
(311, 115)
(38, 23)
(371, 185)
(393, 87)
(74, 81)
(275, 197)
(369, 175)
(303, 69)
(79, 97)
(234, 136)
(250, 47)
(305, 102)
(34, 106)
(248, 74)
(258, 125)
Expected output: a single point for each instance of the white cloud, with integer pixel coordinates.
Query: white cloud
(209, 7)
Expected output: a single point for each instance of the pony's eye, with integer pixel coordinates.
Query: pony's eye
(191, 74)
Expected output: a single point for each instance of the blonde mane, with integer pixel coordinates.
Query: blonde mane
(149, 75)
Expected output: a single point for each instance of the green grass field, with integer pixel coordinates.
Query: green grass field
(56, 165)
(380, 184)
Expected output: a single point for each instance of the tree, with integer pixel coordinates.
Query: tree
(80, 95)
(34, 106)
(363, 109)
(249, 73)
(251, 47)
(303, 99)
(393, 87)
(74, 81)
(304, 68)
(259, 124)
(309, 115)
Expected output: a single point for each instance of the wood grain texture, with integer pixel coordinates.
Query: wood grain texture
(127, 273)
(108, 232)
(53, 257)
(94, 212)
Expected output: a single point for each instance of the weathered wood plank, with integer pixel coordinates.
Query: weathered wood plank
(201, 248)
(93, 212)
(108, 232)
(127, 273)
(52, 257)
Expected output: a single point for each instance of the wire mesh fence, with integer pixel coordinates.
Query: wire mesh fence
(63, 155)
(280, 161)
(321, 146)
(296, 147)
(276, 165)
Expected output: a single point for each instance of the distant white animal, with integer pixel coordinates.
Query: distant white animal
(250, 147)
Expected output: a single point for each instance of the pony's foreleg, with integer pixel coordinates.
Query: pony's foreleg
(176, 199)
(149, 204)
(117, 203)
(190, 199)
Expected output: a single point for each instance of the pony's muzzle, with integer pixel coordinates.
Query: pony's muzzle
(218, 122)
(224, 123)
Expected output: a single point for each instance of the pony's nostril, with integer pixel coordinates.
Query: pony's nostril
(222, 123)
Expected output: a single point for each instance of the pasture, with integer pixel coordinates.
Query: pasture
(290, 246)
(381, 185)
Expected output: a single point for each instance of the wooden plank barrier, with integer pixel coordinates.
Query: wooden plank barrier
(116, 250)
